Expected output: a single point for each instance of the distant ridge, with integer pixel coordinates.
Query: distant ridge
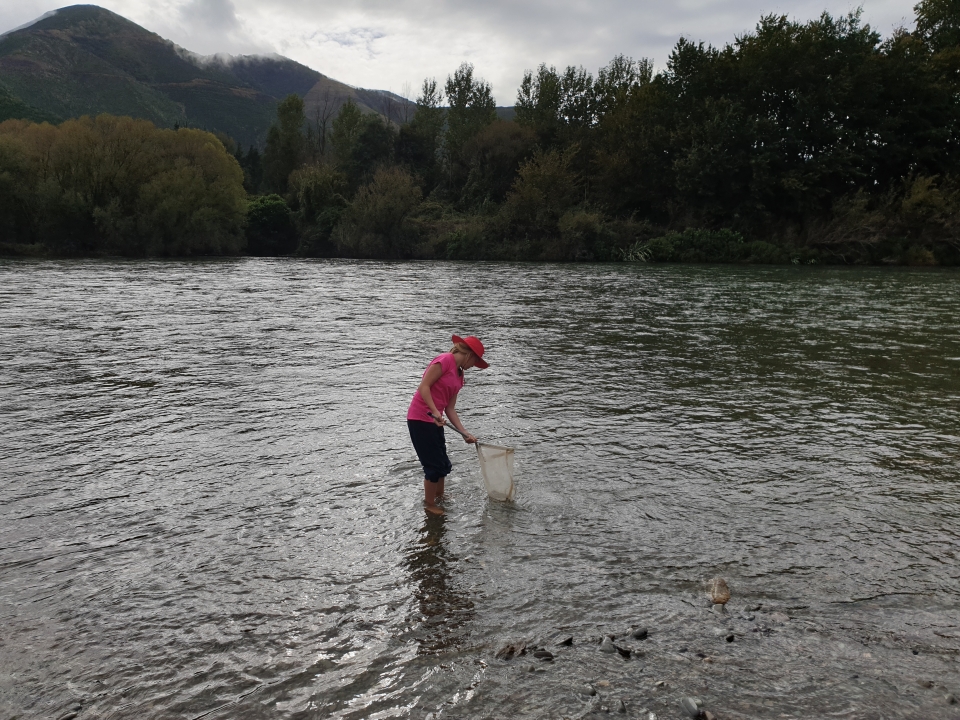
(86, 60)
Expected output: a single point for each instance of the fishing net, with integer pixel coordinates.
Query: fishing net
(496, 466)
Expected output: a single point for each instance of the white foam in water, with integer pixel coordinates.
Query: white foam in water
(496, 466)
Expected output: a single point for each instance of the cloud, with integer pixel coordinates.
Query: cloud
(211, 15)
(380, 44)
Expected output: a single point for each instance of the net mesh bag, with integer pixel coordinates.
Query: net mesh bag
(496, 466)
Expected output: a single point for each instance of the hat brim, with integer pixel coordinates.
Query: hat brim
(481, 363)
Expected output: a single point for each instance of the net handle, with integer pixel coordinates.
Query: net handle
(451, 427)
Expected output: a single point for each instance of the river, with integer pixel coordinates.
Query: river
(209, 506)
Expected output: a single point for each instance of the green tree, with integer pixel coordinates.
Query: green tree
(546, 187)
(270, 229)
(938, 23)
(320, 193)
(419, 141)
(493, 158)
(361, 143)
(472, 108)
(286, 147)
(118, 185)
(374, 224)
(345, 130)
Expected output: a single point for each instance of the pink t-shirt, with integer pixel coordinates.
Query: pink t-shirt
(442, 391)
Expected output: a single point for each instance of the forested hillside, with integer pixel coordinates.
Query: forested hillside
(85, 60)
(802, 142)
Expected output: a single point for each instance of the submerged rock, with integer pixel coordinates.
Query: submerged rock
(719, 592)
(719, 609)
(545, 655)
(567, 641)
(621, 707)
(511, 651)
(607, 646)
(639, 633)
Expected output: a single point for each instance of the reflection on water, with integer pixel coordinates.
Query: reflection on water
(209, 506)
(444, 606)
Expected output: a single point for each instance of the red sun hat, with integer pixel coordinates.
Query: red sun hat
(474, 344)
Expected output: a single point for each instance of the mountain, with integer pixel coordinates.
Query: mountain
(85, 60)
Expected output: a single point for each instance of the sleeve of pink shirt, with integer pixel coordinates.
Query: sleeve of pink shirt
(447, 363)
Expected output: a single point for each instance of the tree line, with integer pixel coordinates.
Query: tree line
(797, 142)
(120, 186)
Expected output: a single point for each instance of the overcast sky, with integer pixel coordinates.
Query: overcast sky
(397, 43)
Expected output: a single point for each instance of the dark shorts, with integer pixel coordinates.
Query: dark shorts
(431, 448)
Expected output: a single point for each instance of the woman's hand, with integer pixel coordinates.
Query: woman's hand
(438, 419)
(469, 438)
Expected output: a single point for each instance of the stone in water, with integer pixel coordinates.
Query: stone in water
(719, 592)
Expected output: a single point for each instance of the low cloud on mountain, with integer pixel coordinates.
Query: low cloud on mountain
(373, 43)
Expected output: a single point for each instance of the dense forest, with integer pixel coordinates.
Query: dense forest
(798, 142)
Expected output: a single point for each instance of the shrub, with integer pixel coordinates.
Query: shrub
(318, 191)
(270, 228)
(374, 224)
(693, 245)
(545, 188)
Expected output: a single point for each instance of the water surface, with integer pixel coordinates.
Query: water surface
(209, 506)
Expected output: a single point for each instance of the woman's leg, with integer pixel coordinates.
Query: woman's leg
(430, 496)
(440, 487)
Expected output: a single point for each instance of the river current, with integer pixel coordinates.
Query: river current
(210, 508)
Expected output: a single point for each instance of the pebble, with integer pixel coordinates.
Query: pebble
(750, 617)
(545, 655)
(621, 707)
(690, 707)
(707, 715)
(568, 641)
(754, 608)
(925, 684)
(719, 608)
(730, 638)
(603, 683)
(719, 592)
(607, 646)
(639, 633)
(589, 690)
(951, 700)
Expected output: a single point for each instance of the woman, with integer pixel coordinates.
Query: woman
(437, 393)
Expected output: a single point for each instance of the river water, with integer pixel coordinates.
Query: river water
(209, 506)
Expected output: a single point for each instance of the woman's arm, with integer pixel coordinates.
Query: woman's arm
(452, 414)
(432, 374)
